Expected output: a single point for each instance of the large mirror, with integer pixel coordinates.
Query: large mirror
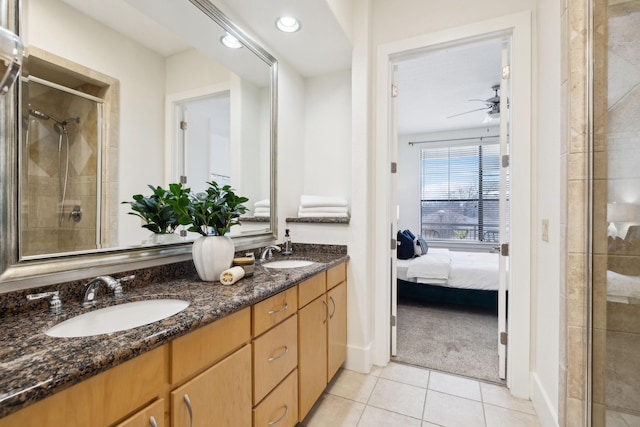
(115, 96)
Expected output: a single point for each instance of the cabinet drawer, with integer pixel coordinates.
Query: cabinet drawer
(151, 416)
(275, 354)
(199, 349)
(336, 275)
(220, 396)
(280, 407)
(311, 288)
(273, 310)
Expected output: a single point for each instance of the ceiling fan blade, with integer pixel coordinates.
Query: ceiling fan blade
(467, 112)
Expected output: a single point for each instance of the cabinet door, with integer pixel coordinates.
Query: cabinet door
(151, 416)
(220, 396)
(312, 353)
(337, 330)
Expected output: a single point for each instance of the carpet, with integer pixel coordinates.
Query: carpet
(449, 338)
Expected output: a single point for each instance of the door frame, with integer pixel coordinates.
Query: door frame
(518, 26)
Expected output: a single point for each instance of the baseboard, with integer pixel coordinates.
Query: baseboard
(547, 416)
(358, 359)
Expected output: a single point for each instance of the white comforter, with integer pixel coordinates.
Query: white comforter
(440, 266)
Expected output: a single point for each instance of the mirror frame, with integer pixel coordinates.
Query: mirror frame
(16, 274)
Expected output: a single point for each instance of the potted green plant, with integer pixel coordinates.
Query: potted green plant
(211, 213)
(157, 210)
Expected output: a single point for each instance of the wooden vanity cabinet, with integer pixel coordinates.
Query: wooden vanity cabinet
(220, 396)
(101, 400)
(219, 355)
(322, 337)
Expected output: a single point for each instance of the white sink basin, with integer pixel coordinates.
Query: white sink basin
(288, 263)
(117, 318)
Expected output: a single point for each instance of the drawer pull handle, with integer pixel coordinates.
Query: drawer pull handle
(334, 308)
(286, 411)
(272, 358)
(152, 421)
(283, 308)
(187, 401)
(326, 306)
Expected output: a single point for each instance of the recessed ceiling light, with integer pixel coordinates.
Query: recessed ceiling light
(288, 24)
(229, 41)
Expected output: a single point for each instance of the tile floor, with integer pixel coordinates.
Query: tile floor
(402, 395)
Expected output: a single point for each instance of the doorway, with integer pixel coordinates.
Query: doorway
(518, 26)
(448, 190)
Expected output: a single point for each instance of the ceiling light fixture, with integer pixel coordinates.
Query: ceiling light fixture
(288, 24)
(230, 41)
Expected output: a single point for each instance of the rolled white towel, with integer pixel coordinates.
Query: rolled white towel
(323, 215)
(324, 209)
(231, 275)
(262, 210)
(262, 214)
(262, 203)
(315, 201)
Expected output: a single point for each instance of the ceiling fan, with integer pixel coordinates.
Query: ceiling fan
(492, 105)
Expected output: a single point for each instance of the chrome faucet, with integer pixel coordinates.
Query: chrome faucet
(91, 288)
(55, 305)
(267, 252)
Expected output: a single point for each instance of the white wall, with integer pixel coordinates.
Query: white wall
(547, 270)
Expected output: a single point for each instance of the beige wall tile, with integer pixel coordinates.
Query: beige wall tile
(576, 361)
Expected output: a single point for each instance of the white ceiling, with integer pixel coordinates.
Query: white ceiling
(432, 86)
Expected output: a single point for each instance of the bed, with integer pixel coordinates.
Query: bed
(469, 278)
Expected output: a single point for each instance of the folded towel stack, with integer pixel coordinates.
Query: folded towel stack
(319, 206)
(262, 208)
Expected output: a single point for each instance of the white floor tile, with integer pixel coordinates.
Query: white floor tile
(334, 411)
(406, 374)
(502, 417)
(375, 417)
(452, 384)
(500, 396)
(352, 385)
(376, 370)
(453, 411)
(397, 397)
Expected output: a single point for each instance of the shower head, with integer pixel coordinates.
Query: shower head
(39, 114)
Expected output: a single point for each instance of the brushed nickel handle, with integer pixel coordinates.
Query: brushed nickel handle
(187, 401)
(334, 307)
(283, 308)
(272, 358)
(286, 411)
(326, 306)
(152, 421)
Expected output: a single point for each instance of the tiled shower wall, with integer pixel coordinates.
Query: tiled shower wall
(616, 139)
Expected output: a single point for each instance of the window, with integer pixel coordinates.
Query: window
(460, 197)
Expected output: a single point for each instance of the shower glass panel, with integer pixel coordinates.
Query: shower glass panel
(60, 170)
(616, 215)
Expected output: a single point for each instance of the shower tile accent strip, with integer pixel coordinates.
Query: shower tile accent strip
(34, 366)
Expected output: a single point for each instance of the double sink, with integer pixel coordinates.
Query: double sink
(131, 315)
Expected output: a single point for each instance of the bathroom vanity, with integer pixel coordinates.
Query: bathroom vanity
(256, 353)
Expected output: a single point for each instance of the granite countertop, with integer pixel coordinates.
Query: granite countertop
(34, 365)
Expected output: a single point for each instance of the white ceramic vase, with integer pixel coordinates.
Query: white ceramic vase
(212, 255)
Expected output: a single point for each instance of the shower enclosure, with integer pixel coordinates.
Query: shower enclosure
(60, 169)
(615, 211)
